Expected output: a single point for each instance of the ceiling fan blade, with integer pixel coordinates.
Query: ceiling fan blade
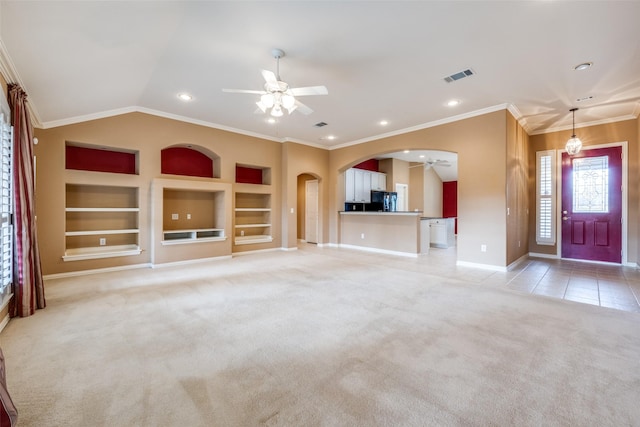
(258, 92)
(310, 90)
(303, 108)
(270, 78)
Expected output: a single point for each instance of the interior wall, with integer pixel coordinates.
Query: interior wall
(303, 159)
(627, 130)
(432, 194)
(517, 196)
(148, 135)
(416, 187)
(481, 146)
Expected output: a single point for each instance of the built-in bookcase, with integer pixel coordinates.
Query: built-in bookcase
(252, 218)
(101, 221)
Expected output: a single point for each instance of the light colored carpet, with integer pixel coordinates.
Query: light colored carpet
(318, 337)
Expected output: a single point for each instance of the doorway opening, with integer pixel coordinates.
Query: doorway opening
(308, 209)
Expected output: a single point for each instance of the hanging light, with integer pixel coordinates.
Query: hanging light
(574, 145)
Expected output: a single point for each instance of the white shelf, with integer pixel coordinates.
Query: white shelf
(100, 232)
(253, 209)
(80, 254)
(178, 237)
(102, 210)
(248, 240)
(252, 225)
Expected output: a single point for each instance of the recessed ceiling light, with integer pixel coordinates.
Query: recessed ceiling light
(453, 102)
(383, 122)
(421, 156)
(583, 66)
(185, 97)
(331, 137)
(406, 151)
(271, 120)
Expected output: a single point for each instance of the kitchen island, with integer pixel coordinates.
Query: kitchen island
(397, 233)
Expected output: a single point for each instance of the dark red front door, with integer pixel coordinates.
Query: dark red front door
(592, 205)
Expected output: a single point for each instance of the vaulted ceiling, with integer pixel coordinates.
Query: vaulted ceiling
(379, 61)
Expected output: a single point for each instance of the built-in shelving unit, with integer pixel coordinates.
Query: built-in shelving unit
(252, 218)
(101, 221)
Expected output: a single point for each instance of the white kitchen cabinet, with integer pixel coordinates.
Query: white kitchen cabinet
(360, 182)
(442, 231)
(350, 185)
(378, 181)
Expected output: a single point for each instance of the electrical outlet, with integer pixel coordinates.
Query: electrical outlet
(362, 236)
(103, 241)
(188, 216)
(242, 232)
(483, 248)
(174, 216)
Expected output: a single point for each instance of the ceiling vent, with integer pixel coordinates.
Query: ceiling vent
(459, 75)
(320, 124)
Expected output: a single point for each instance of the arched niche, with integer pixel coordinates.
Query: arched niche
(190, 160)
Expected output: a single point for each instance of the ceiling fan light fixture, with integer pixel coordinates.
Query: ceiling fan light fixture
(288, 101)
(276, 111)
(267, 100)
(574, 144)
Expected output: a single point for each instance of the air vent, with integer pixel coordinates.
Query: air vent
(320, 124)
(459, 75)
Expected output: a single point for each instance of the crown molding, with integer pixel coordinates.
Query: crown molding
(425, 125)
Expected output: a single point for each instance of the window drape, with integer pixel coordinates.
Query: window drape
(28, 286)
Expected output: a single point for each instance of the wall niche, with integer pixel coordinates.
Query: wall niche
(190, 160)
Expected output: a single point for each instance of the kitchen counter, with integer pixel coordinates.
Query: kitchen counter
(395, 233)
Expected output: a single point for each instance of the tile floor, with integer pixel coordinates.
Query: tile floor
(604, 285)
(597, 284)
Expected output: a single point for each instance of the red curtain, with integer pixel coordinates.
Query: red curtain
(28, 286)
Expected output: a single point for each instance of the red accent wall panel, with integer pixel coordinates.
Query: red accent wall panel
(92, 159)
(247, 175)
(185, 161)
(368, 165)
(450, 201)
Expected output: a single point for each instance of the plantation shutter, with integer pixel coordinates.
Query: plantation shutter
(545, 197)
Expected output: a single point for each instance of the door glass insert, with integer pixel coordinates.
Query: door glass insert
(591, 185)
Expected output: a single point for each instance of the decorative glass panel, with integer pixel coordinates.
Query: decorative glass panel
(591, 185)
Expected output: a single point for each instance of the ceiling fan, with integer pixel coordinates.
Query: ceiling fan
(431, 162)
(277, 95)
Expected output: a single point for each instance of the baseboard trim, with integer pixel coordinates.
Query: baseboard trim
(328, 245)
(482, 266)
(95, 271)
(380, 251)
(289, 249)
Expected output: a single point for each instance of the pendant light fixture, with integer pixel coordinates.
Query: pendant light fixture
(574, 145)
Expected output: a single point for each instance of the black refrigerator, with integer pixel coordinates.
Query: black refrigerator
(385, 201)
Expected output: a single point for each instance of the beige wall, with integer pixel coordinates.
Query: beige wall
(481, 146)
(302, 159)
(517, 193)
(148, 135)
(432, 194)
(394, 232)
(495, 174)
(593, 135)
(416, 187)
